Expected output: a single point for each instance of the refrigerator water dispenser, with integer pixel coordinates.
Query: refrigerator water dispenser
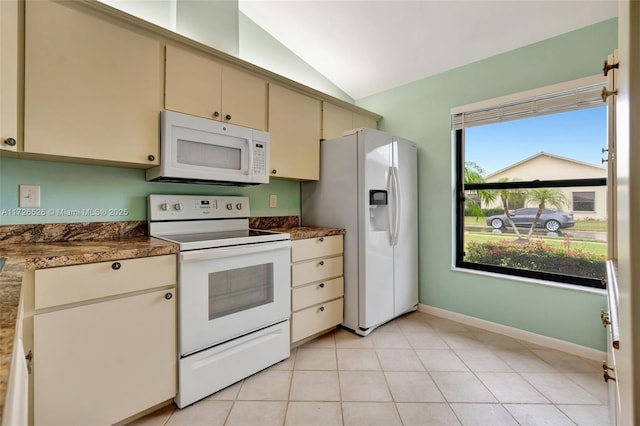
(378, 210)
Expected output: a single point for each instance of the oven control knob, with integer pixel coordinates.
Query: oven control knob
(177, 206)
(164, 206)
(239, 206)
(229, 206)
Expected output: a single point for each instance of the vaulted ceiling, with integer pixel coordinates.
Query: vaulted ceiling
(368, 46)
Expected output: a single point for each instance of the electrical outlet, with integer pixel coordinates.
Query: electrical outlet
(29, 196)
(273, 201)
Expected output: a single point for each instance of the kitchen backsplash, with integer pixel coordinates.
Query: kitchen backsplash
(274, 222)
(72, 193)
(83, 231)
(52, 232)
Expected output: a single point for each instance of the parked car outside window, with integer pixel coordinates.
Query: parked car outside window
(550, 219)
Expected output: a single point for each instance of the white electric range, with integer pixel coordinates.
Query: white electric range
(233, 290)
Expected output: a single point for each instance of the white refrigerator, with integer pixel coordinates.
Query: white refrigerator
(368, 186)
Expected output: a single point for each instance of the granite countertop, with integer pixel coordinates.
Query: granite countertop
(291, 224)
(303, 232)
(22, 253)
(27, 247)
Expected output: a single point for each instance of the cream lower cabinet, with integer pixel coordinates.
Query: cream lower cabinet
(317, 286)
(104, 340)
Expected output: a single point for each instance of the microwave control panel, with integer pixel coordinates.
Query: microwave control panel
(259, 159)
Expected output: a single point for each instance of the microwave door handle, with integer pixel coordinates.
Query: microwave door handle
(250, 148)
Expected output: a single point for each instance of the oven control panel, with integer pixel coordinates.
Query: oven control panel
(187, 207)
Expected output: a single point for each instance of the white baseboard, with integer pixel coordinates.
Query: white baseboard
(516, 333)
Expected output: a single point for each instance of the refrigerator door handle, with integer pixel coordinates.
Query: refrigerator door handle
(391, 222)
(397, 201)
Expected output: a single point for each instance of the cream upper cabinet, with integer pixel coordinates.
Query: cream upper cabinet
(10, 76)
(294, 127)
(198, 85)
(337, 120)
(93, 86)
(360, 120)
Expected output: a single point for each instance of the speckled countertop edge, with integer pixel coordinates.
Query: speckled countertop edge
(21, 257)
(303, 232)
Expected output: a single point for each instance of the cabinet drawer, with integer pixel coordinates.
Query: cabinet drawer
(70, 284)
(316, 270)
(311, 248)
(316, 319)
(313, 294)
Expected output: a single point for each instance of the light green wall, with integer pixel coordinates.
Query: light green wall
(67, 188)
(421, 111)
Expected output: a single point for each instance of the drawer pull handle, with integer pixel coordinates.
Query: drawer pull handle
(321, 239)
(321, 285)
(321, 308)
(168, 296)
(321, 263)
(116, 265)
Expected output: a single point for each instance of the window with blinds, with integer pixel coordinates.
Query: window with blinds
(531, 184)
(551, 103)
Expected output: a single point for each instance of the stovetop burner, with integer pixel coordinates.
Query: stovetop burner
(222, 235)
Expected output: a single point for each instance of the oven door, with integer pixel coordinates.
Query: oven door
(231, 291)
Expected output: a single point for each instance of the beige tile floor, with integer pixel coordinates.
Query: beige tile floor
(415, 370)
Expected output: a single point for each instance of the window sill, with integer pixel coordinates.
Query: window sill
(533, 281)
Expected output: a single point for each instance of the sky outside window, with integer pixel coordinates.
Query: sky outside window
(579, 135)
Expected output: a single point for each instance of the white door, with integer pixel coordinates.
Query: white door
(227, 292)
(628, 206)
(405, 249)
(375, 252)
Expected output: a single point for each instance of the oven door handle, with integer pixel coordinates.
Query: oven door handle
(222, 252)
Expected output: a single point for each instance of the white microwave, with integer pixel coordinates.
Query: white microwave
(200, 150)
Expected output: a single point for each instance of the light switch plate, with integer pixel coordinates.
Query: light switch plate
(273, 201)
(29, 196)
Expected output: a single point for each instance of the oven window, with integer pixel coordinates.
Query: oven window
(240, 289)
(209, 155)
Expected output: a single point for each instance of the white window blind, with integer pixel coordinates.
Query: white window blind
(566, 100)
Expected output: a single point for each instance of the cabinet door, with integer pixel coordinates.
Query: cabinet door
(193, 83)
(244, 99)
(294, 126)
(10, 71)
(360, 120)
(335, 120)
(104, 362)
(93, 87)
